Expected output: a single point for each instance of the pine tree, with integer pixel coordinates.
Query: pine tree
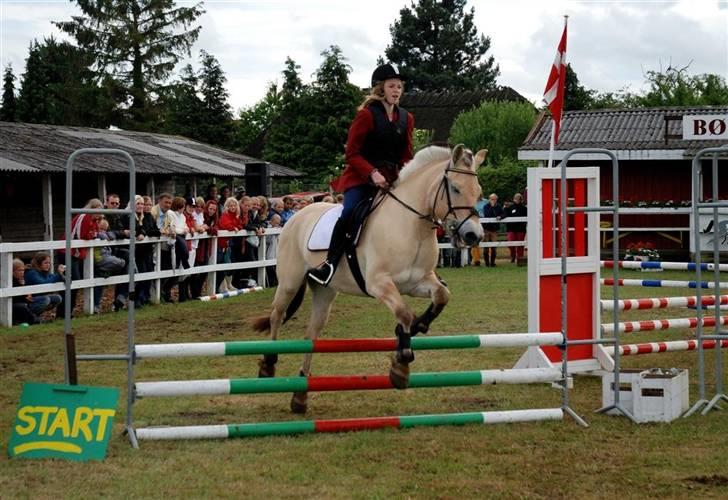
(310, 132)
(216, 127)
(7, 109)
(255, 120)
(137, 42)
(58, 88)
(437, 46)
(576, 95)
(183, 106)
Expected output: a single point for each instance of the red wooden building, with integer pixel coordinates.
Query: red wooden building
(654, 162)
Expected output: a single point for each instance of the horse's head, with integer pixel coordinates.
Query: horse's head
(458, 194)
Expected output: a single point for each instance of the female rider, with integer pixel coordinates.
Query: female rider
(378, 145)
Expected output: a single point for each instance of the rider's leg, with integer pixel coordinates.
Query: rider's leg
(340, 238)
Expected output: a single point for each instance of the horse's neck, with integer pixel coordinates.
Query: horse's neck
(419, 190)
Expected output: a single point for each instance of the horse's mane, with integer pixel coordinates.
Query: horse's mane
(425, 156)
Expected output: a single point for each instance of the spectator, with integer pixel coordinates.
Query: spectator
(229, 221)
(177, 224)
(146, 227)
(84, 227)
(339, 198)
(271, 250)
(195, 226)
(107, 264)
(210, 221)
(118, 230)
(211, 193)
(22, 314)
(239, 193)
(287, 212)
(256, 223)
(40, 274)
(328, 199)
(160, 212)
(516, 231)
(276, 208)
(476, 251)
(491, 210)
(148, 204)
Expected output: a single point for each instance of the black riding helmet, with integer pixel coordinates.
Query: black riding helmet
(385, 72)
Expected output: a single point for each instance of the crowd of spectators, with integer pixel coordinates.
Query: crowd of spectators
(176, 218)
(492, 233)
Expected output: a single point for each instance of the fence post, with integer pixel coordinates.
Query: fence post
(88, 273)
(157, 283)
(212, 275)
(261, 257)
(6, 281)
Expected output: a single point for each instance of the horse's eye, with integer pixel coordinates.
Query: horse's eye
(454, 189)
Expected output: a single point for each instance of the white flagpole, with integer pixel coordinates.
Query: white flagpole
(551, 145)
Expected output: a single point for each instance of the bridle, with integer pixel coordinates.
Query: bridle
(444, 186)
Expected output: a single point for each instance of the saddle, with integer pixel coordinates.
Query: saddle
(320, 238)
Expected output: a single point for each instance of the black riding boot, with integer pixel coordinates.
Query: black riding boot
(323, 273)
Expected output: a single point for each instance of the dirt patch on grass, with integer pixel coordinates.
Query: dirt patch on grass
(713, 480)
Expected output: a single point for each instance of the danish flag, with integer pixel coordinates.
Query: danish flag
(554, 93)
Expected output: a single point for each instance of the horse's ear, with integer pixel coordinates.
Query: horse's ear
(480, 157)
(457, 153)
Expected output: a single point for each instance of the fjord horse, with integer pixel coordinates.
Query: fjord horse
(397, 252)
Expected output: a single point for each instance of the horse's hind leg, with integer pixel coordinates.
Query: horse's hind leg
(323, 298)
(386, 292)
(285, 295)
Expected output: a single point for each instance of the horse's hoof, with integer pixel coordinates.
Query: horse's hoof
(266, 370)
(299, 402)
(419, 327)
(399, 374)
(405, 356)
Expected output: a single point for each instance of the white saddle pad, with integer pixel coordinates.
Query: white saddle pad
(321, 235)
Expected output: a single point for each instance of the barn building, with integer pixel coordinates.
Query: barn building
(33, 165)
(654, 166)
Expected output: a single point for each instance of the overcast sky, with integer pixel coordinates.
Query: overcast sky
(611, 43)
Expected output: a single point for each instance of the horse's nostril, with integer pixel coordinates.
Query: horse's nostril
(471, 237)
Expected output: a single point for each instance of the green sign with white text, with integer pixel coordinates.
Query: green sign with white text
(63, 421)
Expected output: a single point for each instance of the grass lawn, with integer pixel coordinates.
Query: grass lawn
(611, 459)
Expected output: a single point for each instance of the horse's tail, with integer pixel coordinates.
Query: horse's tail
(262, 323)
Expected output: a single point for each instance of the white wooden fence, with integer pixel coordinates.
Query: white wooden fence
(89, 281)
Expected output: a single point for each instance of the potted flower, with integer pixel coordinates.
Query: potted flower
(641, 251)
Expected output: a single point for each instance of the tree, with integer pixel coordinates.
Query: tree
(500, 127)
(255, 120)
(136, 42)
(310, 132)
(58, 88)
(7, 110)
(672, 87)
(196, 105)
(183, 106)
(675, 87)
(436, 46)
(576, 95)
(216, 126)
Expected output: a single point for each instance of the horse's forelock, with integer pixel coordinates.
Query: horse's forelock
(425, 156)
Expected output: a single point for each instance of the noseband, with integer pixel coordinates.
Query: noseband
(443, 186)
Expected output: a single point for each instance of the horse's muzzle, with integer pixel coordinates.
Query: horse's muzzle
(470, 233)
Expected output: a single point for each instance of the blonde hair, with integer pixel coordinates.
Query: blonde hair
(18, 263)
(376, 93)
(232, 202)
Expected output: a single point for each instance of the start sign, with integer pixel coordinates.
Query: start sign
(63, 421)
(705, 127)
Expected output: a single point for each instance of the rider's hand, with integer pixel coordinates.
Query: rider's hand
(378, 179)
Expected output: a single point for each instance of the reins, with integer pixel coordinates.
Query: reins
(443, 186)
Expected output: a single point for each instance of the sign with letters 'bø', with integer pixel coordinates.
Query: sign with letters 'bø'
(63, 421)
(705, 127)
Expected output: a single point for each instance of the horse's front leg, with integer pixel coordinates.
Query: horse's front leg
(433, 288)
(385, 291)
